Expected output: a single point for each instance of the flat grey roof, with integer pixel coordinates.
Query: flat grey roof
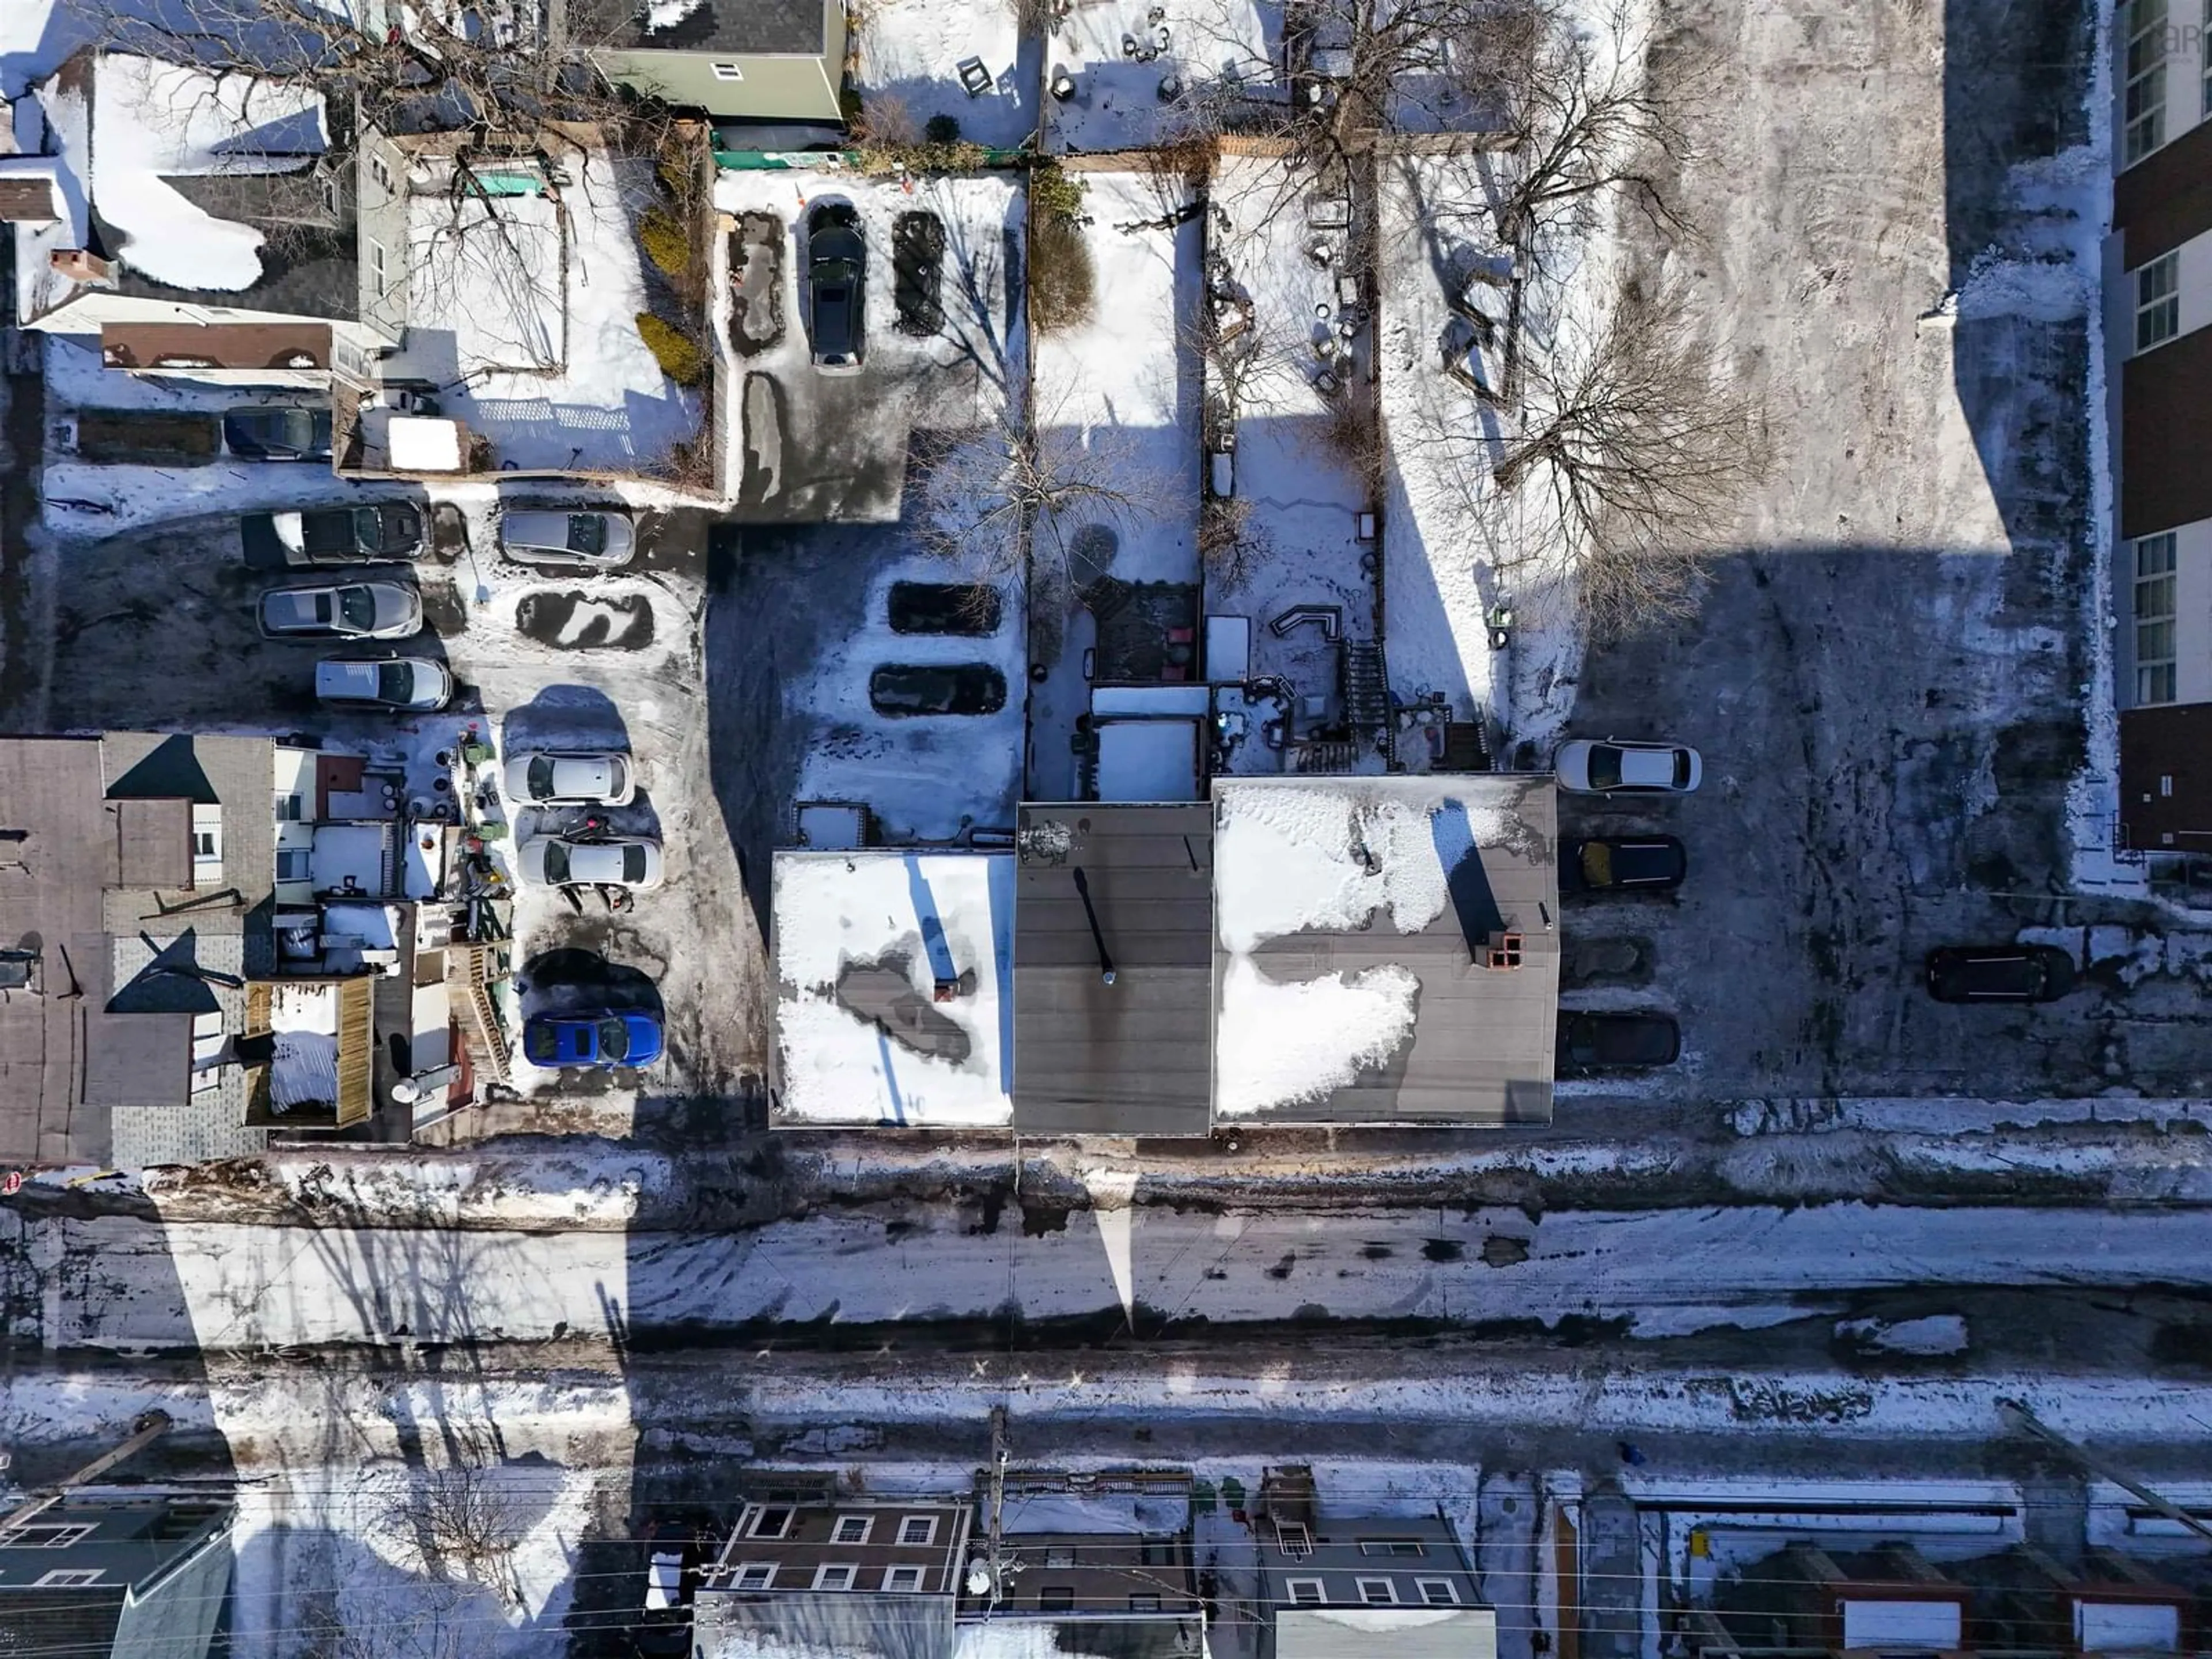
(1133, 1058)
(1354, 917)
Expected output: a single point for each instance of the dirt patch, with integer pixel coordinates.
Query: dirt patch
(1503, 1250)
(918, 272)
(574, 620)
(148, 437)
(757, 284)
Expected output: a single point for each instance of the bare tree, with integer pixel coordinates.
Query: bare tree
(1587, 114)
(1643, 452)
(462, 1523)
(1003, 502)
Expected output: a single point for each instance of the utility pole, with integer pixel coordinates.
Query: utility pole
(150, 1427)
(998, 1497)
(2018, 1416)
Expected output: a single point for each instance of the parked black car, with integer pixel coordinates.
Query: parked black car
(1604, 864)
(1604, 1042)
(1999, 973)
(271, 433)
(836, 287)
(336, 535)
(970, 688)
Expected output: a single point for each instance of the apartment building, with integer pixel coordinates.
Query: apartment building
(2158, 300)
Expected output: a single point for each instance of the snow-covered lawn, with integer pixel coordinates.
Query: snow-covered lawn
(1278, 309)
(529, 326)
(1122, 388)
(910, 53)
(1147, 70)
(1456, 543)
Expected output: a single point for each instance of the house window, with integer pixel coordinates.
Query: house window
(836, 1575)
(755, 1575)
(381, 172)
(772, 1521)
(69, 1578)
(376, 272)
(728, 72)
(1391, 1547)
(2145, 99)
(295, 863)
(901, 1578)
(1304, 1590)
(1056, 1598)
(1437, 1592)
(1378, 1592)
(918, 1529)
(1293, 1540)
(291, 808)
(852, 1530)
(1059, 1555)
(1144, 1604)
(2158, 302)
(44, 1535)
(2155, 614)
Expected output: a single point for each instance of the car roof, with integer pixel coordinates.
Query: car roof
(1647, 766)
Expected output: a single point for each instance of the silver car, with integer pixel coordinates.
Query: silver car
(411, 685)
(594, 539)
(631, 861)
(351, 611)
(571, 777)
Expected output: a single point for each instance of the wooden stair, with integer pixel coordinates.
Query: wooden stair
(468, 975)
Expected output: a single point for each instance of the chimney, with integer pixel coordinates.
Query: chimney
(80, 266)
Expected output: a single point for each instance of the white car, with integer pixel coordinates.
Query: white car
(411, 685)
(595, 538)
(1618, 768)
(632, 861)
(571, 777)
(356, 611)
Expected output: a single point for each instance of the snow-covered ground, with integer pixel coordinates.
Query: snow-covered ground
(1456, 543)
(529, 326)
(1145, 71)
(1122, 387)
(910, 58)
(926, 777)
(122, 1285)
(1276, 304)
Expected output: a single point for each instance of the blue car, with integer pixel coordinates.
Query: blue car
(626, 1038)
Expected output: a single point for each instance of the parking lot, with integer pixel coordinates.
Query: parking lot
(158, 630)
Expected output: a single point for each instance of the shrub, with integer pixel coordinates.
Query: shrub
(679, 356)
(665, 242)
(941, 130)
(1061, 279)
(1053, 193)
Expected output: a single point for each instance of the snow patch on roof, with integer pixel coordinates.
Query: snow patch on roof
(862, 941)
(1278, 1044)
(1298, 859)
(152, 118)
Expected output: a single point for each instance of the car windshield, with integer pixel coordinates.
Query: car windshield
(1681, 768)
(368, 529)
(541, 776)
(1604, 766)
(538, 1042)
(587, 533)
(1597, 864)
(395, 682)
(614, 1039)
(557, 863)
(357, 608)
(633, 864)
